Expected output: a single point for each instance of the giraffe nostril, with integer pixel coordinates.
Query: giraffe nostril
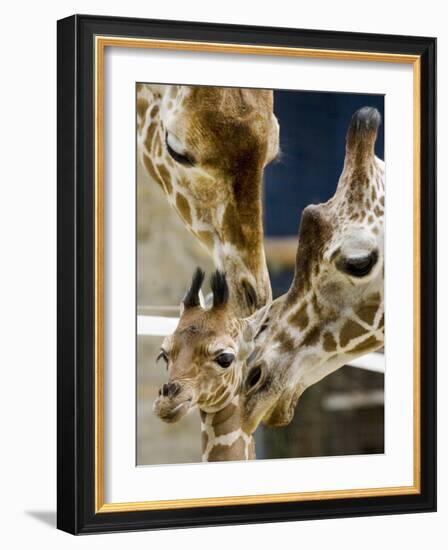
(253, 377)
(250, 294)
(171, 389)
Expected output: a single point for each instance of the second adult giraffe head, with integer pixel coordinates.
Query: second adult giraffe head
(333, 311)
(207, 148)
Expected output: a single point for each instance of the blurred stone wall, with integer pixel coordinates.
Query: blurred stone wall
(343, 414)
(167, 255)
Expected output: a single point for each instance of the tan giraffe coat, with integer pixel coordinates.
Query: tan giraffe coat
(332, 313)
(205, 358)
(334, 310)
(207, 148)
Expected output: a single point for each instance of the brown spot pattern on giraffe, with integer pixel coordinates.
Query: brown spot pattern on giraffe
(329, 343)
(142, 105)
(183, 208)
(206, 237)
(300, 318)
(316, 306)
(154, 112)
(378, 211)
(157, 146)
(204, 439)
(231, 228)
(166, 178)
(226, 452)
(285, 341)
(312, 336)
(149, 137)
(226, 421)
(366, 345)
(367, 310)
(349, 331)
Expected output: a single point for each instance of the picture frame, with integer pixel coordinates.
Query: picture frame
(82, 193)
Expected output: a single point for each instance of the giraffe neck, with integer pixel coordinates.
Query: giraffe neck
(223, 437)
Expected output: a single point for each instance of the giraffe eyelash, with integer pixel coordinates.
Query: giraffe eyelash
(182, 158)
(162, 355)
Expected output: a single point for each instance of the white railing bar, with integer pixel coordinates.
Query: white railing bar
(371, 361)
(154, 325)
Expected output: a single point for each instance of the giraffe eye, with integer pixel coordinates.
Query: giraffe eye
(176, 151)
(224, 360)
(358, 266)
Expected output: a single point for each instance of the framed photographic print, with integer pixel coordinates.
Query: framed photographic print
(246, 274)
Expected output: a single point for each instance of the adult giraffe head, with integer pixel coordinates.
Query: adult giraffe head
(207, 147)
(333, 311)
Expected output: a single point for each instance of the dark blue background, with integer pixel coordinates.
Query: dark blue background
(313, 126)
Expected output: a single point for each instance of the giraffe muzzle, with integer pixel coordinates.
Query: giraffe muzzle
(172, 403)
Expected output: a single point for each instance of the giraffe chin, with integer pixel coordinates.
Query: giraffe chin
(170, 410)
(282, 413)
(273, 409)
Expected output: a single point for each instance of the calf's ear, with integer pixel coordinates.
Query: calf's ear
(256, 322)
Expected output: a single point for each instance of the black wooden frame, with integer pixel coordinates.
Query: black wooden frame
(75, 476)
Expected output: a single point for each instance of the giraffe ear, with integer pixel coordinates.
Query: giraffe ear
(257, 322)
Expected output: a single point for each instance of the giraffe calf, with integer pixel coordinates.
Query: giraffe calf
(205, 358)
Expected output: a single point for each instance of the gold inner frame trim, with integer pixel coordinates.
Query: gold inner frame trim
(101, 42)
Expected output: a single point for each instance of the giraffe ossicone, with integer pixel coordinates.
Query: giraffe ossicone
(207, 148)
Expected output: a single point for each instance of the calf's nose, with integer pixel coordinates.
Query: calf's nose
(171, 389)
